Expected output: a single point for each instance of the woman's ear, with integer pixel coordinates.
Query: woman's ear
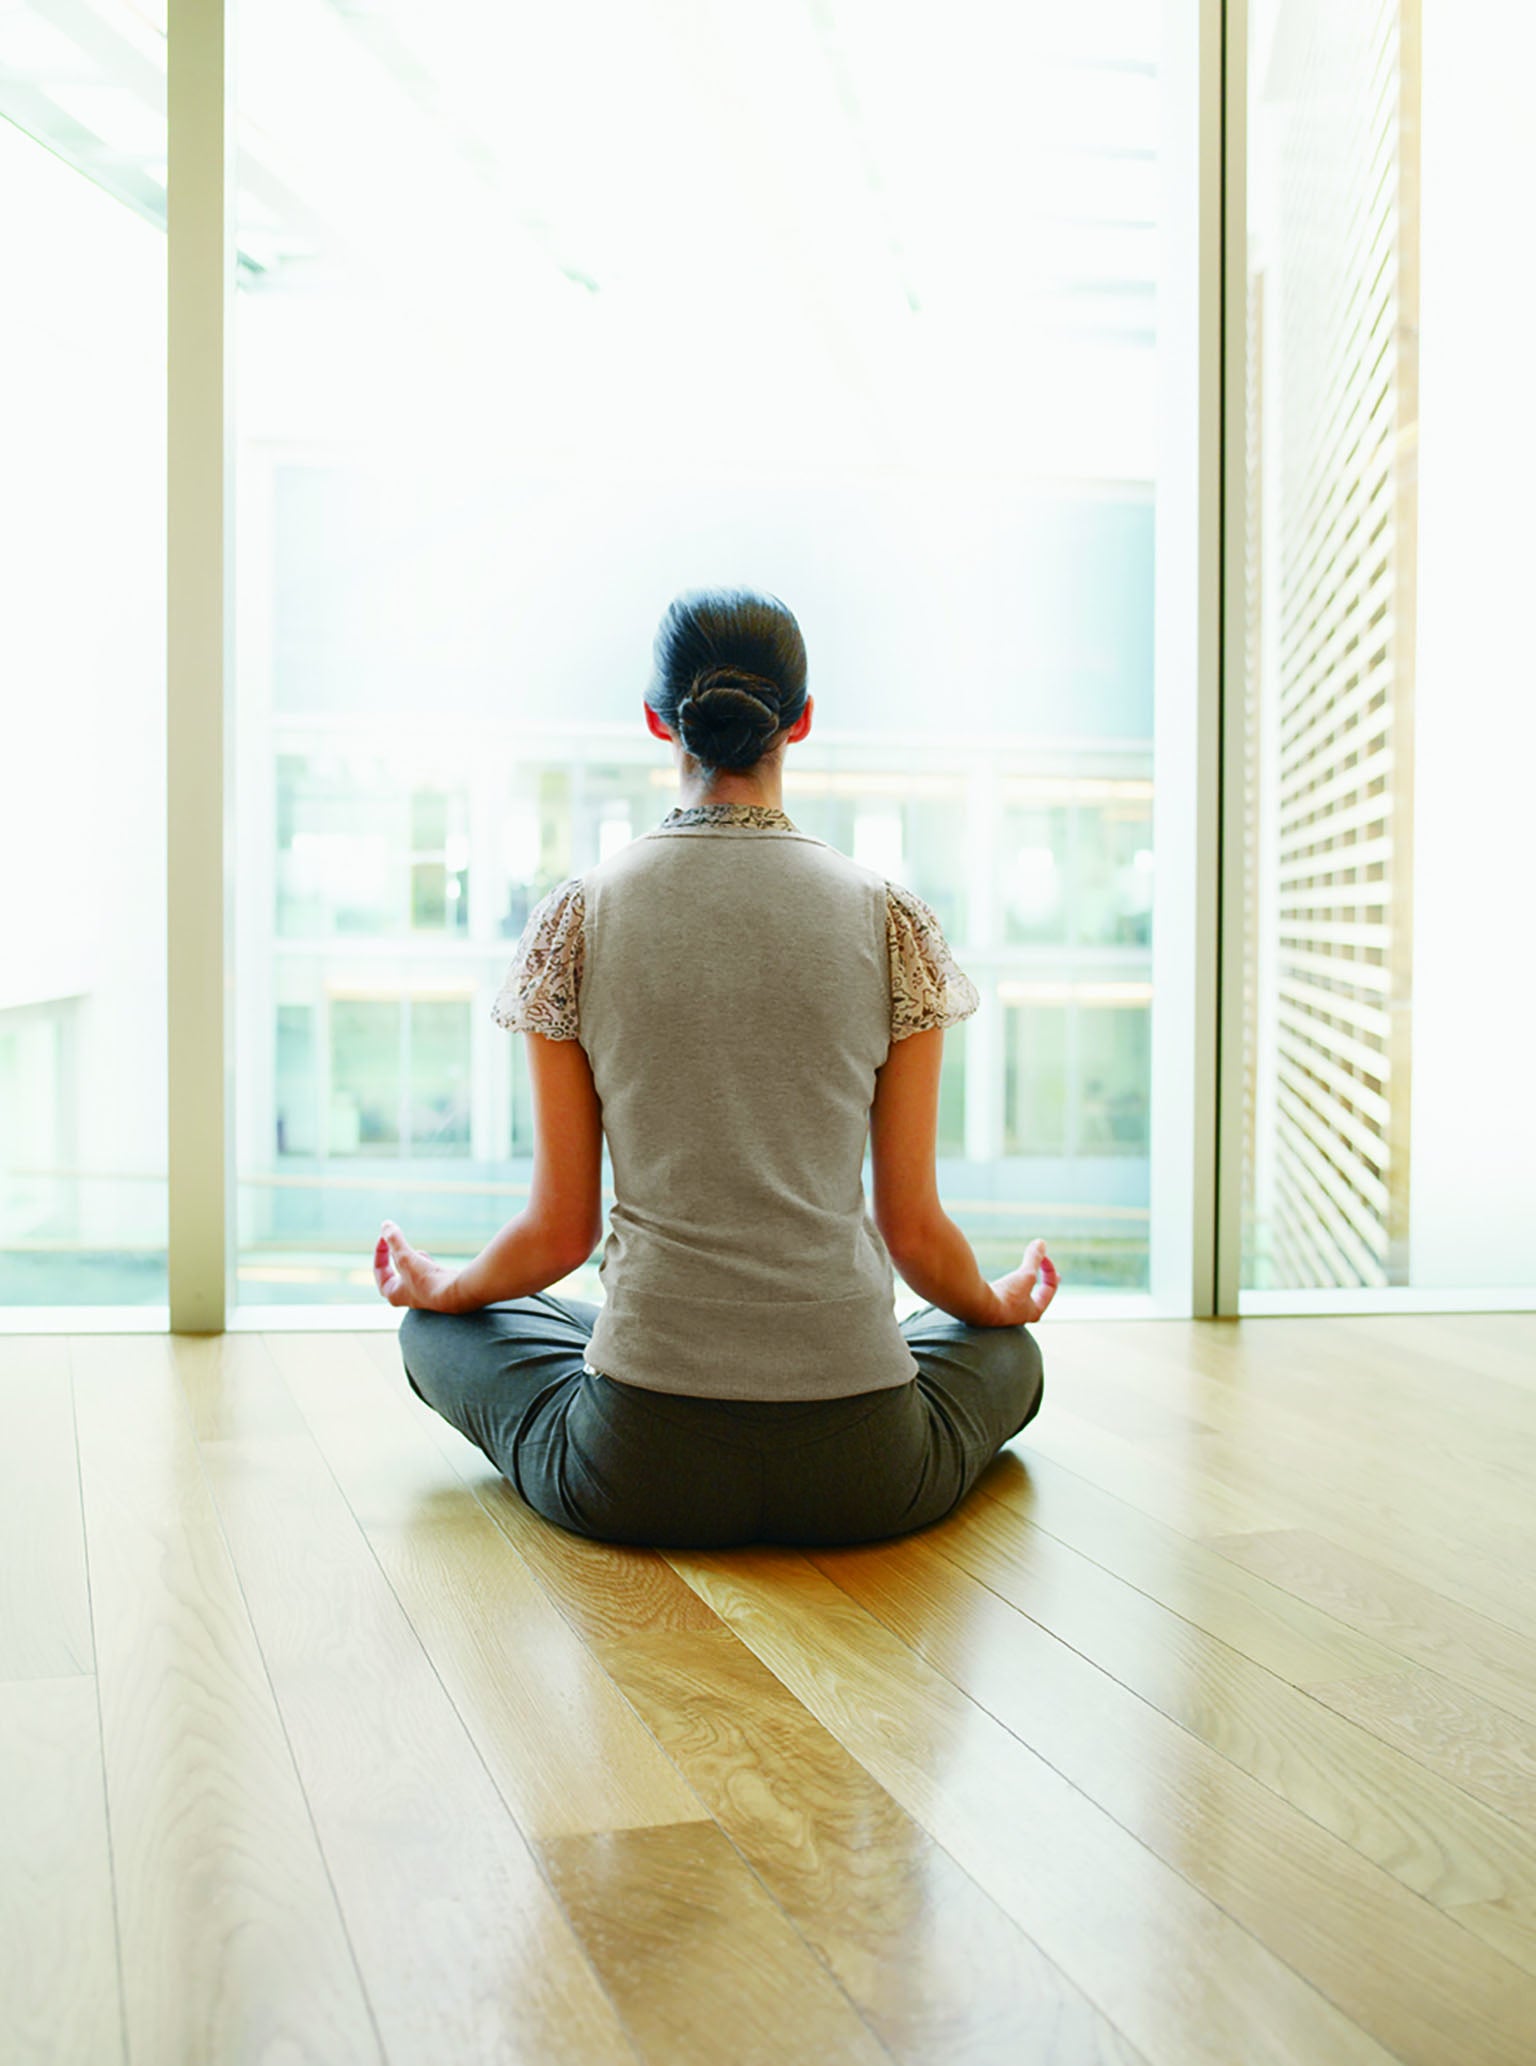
(802, 723)
(654, 725)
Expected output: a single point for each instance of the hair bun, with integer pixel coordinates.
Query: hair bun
(728, 714)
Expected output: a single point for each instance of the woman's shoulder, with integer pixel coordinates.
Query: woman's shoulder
(541, 989)
(928, 986)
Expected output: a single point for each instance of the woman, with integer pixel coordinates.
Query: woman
(738, 1006)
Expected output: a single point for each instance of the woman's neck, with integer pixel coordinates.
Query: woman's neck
(765, 789)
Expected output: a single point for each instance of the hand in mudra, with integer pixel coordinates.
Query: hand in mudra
(1026, 1292)
(407, 1277)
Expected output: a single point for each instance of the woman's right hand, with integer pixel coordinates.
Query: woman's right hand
(407, 1276)
(1024, 1293)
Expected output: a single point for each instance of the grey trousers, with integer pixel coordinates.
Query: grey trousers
(620, 1464)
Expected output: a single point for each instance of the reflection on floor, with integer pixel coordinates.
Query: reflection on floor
(1205, 1735)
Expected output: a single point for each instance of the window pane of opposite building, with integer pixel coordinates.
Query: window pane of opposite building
(82, 659)
(546, 316)
(1389, 1130)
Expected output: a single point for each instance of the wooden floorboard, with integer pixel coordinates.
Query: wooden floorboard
(1372, 1794)
(1204, 1735)
(1307, 1893)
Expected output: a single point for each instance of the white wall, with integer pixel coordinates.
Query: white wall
(1473, 1202)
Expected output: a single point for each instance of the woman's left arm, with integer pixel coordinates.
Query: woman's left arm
(562, 1221)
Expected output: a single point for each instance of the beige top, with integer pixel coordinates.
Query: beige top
(541, 990)
(736, 984)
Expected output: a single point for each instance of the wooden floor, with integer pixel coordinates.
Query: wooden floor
(1204, 1736)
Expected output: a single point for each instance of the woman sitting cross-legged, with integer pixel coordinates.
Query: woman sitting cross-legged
(738, 1007)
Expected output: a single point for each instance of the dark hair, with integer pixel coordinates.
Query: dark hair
(729, 674)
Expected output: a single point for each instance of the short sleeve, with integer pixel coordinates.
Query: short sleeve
(540, 991)
(928, 988)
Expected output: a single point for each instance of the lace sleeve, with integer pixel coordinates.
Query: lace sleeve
(540, 990)
(928, 988)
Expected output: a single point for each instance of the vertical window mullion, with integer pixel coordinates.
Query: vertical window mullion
(199, 888)
(1227, 1202)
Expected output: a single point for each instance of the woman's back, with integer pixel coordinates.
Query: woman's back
(735, 1005)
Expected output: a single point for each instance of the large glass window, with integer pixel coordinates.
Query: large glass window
(1389, 1134)
(82, 656)
(545, 317)
(541, 319)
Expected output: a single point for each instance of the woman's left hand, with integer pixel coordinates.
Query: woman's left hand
(406, 1277)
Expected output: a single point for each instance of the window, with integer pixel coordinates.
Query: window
(467, 492)
(1388, 1134)
(961, 433)
(955, 434)
(82, 652)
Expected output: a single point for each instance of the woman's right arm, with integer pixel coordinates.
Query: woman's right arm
(928, 1250)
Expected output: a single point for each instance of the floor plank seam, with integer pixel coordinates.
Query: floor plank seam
(101, 1746)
